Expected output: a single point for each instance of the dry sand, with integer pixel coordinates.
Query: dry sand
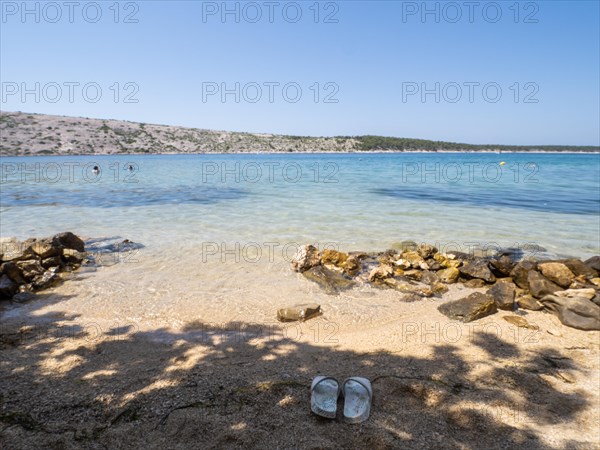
(201, 375)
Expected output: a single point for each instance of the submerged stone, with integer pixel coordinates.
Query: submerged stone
(330, 281)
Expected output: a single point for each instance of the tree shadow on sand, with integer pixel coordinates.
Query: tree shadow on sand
(246, 385)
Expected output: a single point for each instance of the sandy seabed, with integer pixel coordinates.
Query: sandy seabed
(143, 358)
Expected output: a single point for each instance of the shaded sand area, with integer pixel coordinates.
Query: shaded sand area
(132, 356)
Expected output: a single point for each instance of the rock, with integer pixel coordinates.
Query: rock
(380, 273)
(69, 240)
(333, 257)
(557, 272)
(504, 295)
(429, 277)
(306, 257)
(426, 251)
(593, 263)
(15, 250)
(596, 299)
(530, 303)
(521, 271)
(352, 265)
(416, 261)
(439, 288)
(73, 256)
(30, 268)
(421, 290)
(45, 280)
(331, 282)
(433, 264)
(478, 268)
(13, 272)
(298, 312)
(447, 260)
(595, 281)
(474, 283)
(44, 248)
(579, 268)
(402, 264)
(576, 312)
(502, 266)
(540, 286)
(520, 322)
(8, 287)
(54, 261)
(570, 293)
(467, 309)
(449, 275)
(413, 274)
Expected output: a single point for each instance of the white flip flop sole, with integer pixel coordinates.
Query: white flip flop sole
(324, 395)
(358, 395)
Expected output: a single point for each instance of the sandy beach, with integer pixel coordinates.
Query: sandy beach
(97, 362)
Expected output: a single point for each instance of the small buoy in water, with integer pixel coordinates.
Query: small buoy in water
(502, 163)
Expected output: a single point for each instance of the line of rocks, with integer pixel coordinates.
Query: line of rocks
(36, 264)
(569, 288)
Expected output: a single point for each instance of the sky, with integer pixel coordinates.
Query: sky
(501, 72)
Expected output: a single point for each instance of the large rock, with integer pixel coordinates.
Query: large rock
(540, 286)
(579, 268)
(330, 281)
(306, 257)
(557, 272)
(588, 293)
(593, 263)
(69, 240)
(426, 251)
(467, 309)
(13, 272)
(502, 266)
(503, 293)
(478, 268)
(449, 275)
(30, 268)
(45, 248)
(575, 312)
(520, 273)
(8, 287)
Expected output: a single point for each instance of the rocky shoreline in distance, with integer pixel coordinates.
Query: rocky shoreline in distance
(568, 288)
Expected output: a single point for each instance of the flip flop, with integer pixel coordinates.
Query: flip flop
(358, 395)
(324, 393)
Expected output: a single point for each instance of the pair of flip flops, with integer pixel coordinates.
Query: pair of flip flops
(357, 392)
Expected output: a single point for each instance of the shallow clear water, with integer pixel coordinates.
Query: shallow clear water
(353, 201)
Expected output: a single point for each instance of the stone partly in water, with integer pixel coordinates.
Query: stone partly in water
(333, 257)
(479, 269)
(575, 312)
(557, 273)
(407, 288)
(530, 303)
(330, 281)
(467, 309)
(502, 266)
(306, 257)
(299, 312)
(69, 240)
(380, 273)
(520, 273)
(540, 286)
(503, 294)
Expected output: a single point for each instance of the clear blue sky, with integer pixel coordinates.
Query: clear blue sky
(375, 53)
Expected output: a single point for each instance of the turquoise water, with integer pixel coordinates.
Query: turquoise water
(350, 201)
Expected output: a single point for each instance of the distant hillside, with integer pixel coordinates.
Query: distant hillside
(39, 134)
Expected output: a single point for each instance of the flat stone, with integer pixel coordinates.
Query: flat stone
(299, 313)
(467, 309)
(530, 303)
(570, 293)
(520, 322)
(575, 312)
(330, 281)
